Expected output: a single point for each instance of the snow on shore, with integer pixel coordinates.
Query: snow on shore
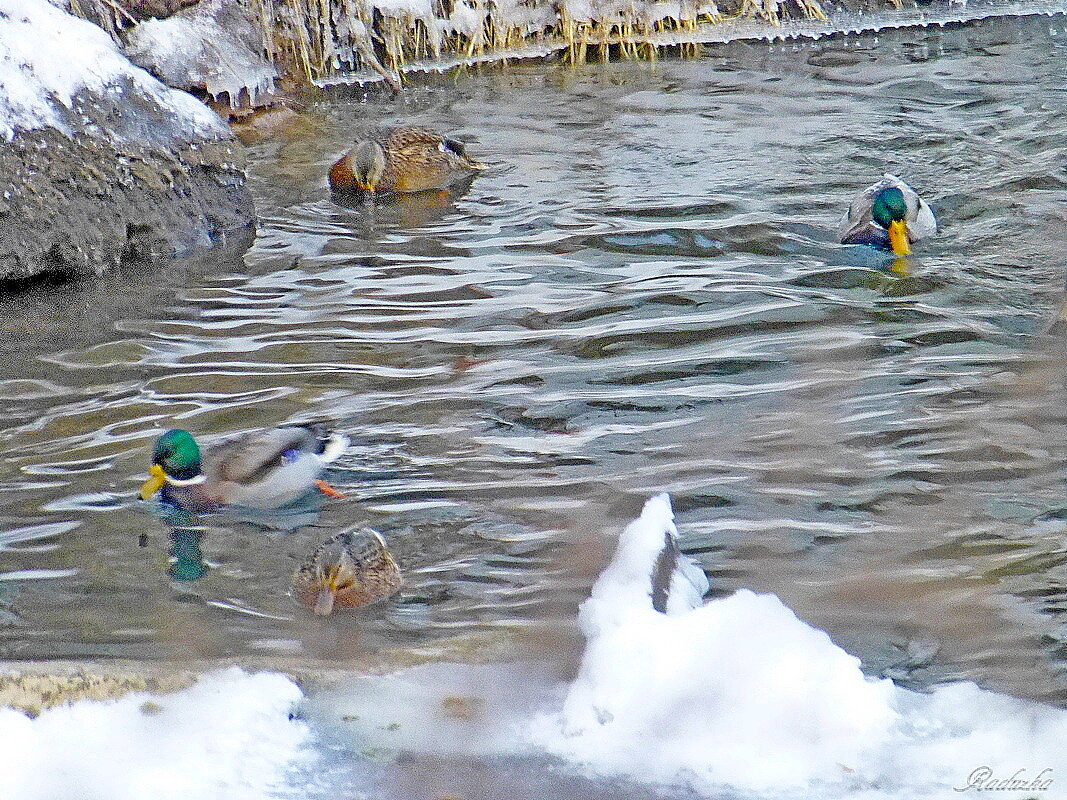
(735, 697)
(47, 57)
(228, 736)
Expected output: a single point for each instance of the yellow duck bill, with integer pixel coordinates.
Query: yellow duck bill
(898, 238)
(156, 482)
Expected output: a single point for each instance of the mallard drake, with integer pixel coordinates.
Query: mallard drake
(888, 215)
(406, 159)
(262, 469)
(348, 570)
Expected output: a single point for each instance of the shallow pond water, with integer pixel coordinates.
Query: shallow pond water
(642, 293)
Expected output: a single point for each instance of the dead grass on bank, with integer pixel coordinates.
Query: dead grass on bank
(320, 40)
(33, 690)
(314, 40)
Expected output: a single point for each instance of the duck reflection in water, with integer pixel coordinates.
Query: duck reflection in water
(401, 210)
(186, 558)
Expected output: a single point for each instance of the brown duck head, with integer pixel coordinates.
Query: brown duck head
(361, 168)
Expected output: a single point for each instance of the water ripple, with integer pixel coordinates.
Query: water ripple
(643, 293)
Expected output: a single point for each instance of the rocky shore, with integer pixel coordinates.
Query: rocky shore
(99, 161)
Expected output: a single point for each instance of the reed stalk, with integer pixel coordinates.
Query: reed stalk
(316, 40)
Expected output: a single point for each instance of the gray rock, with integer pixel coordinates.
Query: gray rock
(83, 203)
(122, 168)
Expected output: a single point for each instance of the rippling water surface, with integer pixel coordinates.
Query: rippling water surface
(642, 293)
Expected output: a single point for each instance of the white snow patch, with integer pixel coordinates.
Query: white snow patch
(186, 49)
(580, 10)
(467, 18)
(404, 9)
(48, 56)
(228, 736)
(738, 692)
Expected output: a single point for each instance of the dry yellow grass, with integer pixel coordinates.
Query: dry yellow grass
(32, 690)
(318, 40)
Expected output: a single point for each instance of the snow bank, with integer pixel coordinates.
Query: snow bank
(99, 161)
(740, 693)
(48, 57)
(228, 736)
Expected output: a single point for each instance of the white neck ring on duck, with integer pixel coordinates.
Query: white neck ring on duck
(186, 482)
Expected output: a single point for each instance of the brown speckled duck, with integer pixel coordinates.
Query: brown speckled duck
(405, 159)
(350, 569)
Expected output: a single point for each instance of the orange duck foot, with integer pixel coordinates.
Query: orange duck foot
(328, 490)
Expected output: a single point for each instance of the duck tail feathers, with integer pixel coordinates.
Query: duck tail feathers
(333, 447)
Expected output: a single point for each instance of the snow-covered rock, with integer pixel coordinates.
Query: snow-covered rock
(212, 47)
(98, 159)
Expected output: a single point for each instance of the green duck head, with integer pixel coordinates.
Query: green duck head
(175, 460)
(890, 211)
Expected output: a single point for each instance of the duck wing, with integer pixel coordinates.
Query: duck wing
(458, 150)
(921, 219)
(857, 226)
(419, 159)
(366, 548)
(408, 138)
(249, 458)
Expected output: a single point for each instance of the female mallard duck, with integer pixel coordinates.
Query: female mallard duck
(889, 215)
(403, 160)
(263, 469)
(348, 570)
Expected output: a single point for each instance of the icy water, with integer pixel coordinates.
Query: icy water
(642, 293)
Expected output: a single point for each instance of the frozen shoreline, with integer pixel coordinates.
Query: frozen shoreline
(841, 23)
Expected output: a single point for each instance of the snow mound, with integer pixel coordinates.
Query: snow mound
(740, 693)
(228, 736)
(48, 57)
